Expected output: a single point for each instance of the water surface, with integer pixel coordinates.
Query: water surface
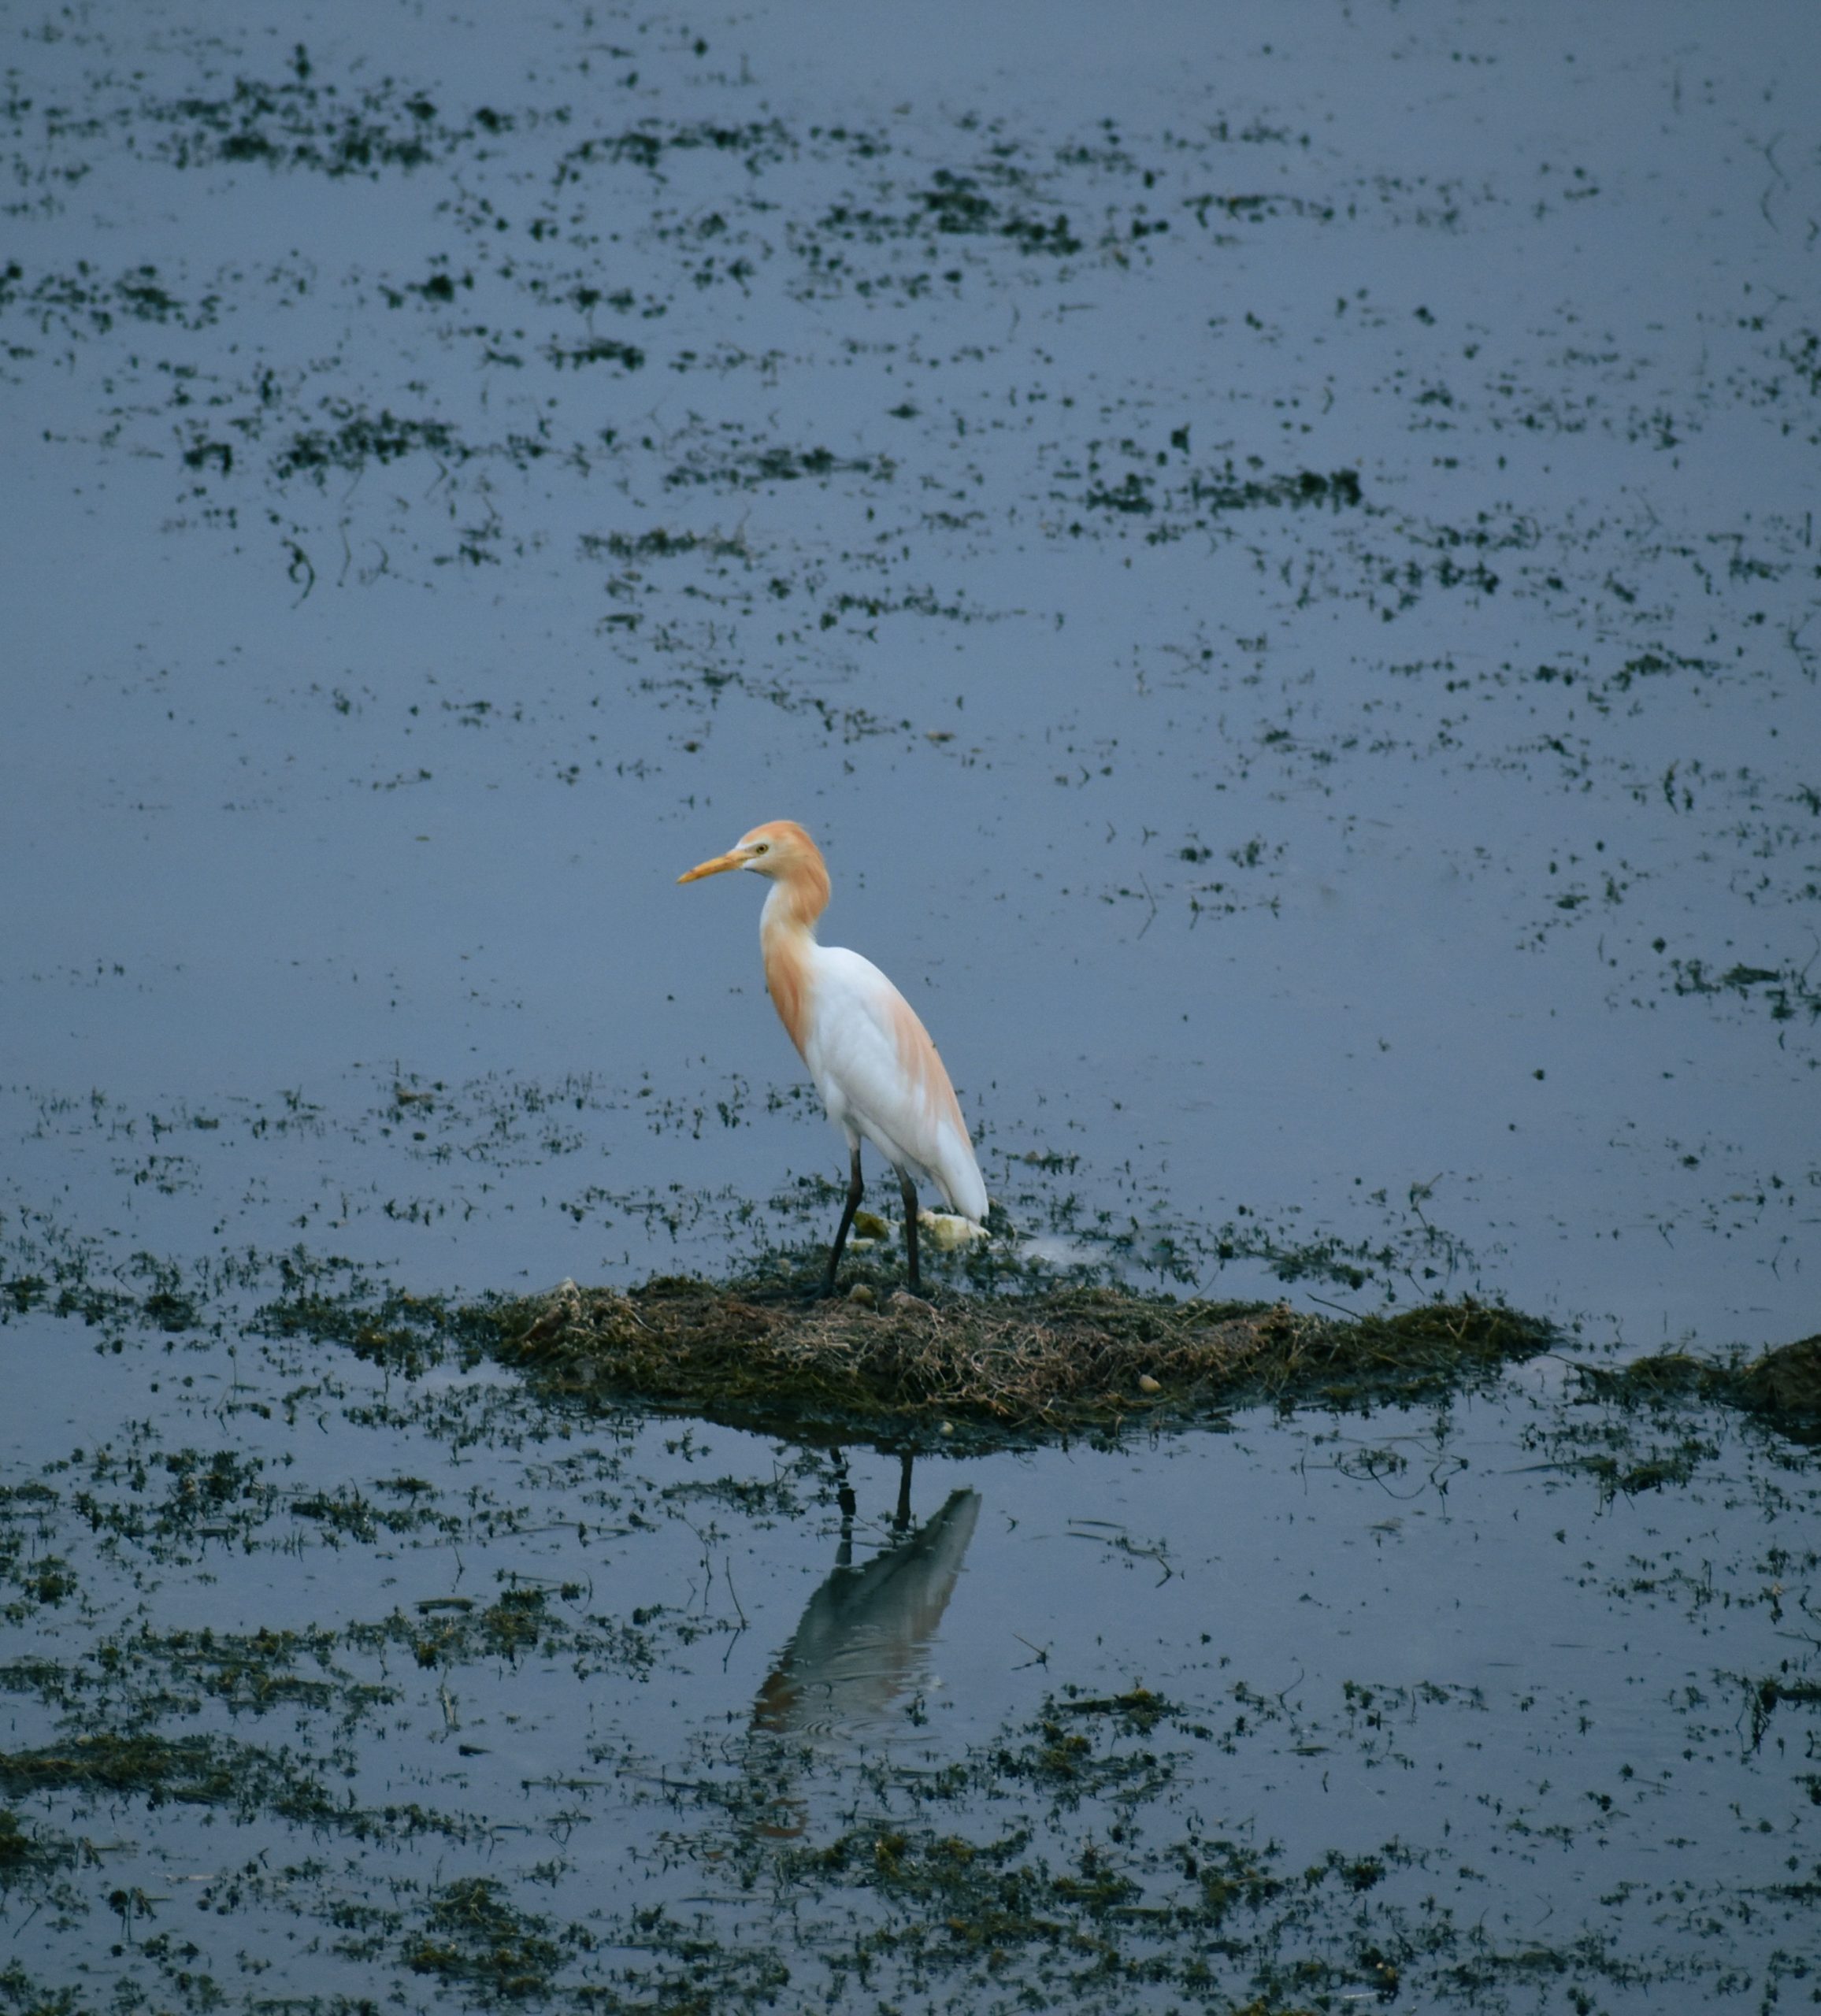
(1277, 558)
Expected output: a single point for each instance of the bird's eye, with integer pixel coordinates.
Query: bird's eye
(764, 846)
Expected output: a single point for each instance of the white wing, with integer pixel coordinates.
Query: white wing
(879, 1077)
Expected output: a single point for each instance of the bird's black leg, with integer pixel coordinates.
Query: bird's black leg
(849, 1504)
(856, 1188)
(909, 1190)
(901, 1518)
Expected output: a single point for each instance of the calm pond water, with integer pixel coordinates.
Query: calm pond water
(1277, 556)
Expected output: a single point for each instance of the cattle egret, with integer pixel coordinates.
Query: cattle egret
(871, 1059)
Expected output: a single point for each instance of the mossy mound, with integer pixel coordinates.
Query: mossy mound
(1783, 1386)
(1785, 1382)
(1065, 1360)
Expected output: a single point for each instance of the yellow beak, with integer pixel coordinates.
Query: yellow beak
(719, 865)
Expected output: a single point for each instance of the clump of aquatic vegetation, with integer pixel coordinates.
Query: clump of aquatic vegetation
(1055, 1360)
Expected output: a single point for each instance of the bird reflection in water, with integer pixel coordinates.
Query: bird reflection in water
(862, 1639)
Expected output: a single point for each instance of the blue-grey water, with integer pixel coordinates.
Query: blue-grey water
(1276, 554)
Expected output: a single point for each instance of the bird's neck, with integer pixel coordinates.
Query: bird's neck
(786, 936)
(796, 900)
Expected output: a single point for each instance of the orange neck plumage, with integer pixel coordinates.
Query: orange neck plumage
(787, 935)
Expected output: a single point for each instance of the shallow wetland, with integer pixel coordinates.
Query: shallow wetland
(1275, 553)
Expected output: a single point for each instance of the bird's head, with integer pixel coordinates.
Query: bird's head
(779, 847)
